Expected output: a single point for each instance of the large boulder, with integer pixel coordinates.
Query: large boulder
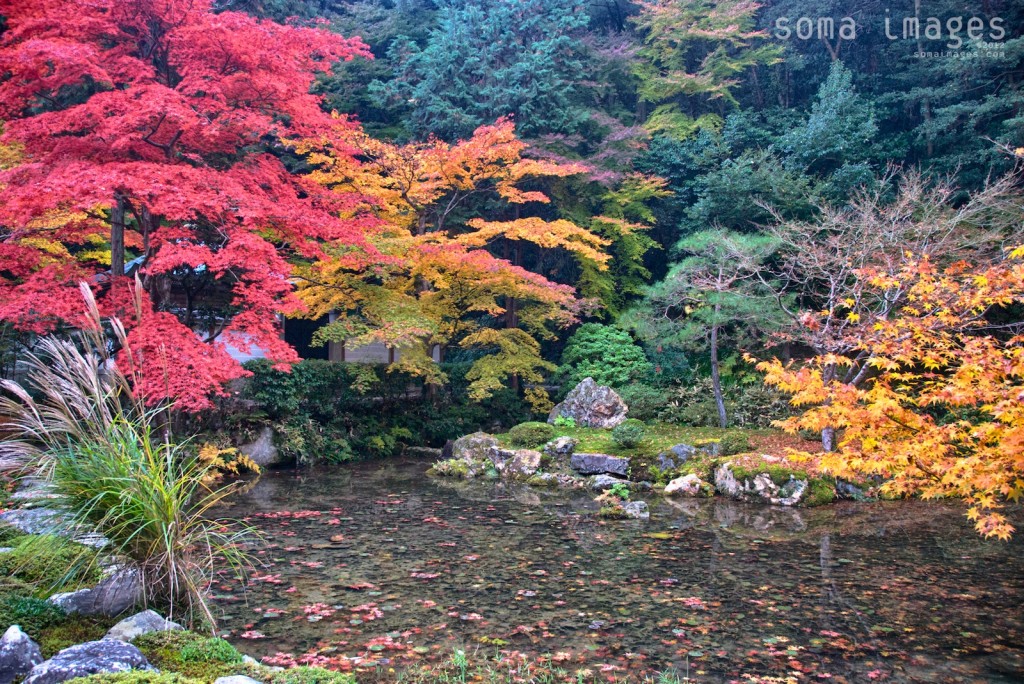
(759, 487)
(596, 464)
(591, 405)
(687, 485)
(262, 450)
(115, 594)
(18, 655)
(474, 447)
(141, 623)
(93, 657)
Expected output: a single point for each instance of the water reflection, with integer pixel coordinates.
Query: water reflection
(379, 563)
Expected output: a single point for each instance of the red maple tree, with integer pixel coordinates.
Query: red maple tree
(153, 128)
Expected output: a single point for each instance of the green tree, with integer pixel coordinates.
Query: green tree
(488, 59)
(605, 353)
(693, 56)
(713, 293)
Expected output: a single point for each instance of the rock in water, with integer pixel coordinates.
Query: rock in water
(94, 657)
(474, 447)
(262, 450)
(688, 485)
(235, 679)
(596, 464)
(18, 655)
(636, 509)
(600, 483)
(759, 488)
(591, 405)
(141, 623)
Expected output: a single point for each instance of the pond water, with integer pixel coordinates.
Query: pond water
(378, 566)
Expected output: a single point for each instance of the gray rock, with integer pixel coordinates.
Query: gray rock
(515, 463)
(18, 655)
(600, 483)
(759, 488)
(561, 447)
(591, 405)
(688, 485)
(112, 596)
(141, 623)
(848, 490)
(262, 450)
(50, 521)
(94, 657)
(636, 509)
(6, 549)
(36, 520)
(474, 447)
(423, 452)
(33, 489)
(236, 679)
(595, 464)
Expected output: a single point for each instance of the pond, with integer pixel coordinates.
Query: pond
(378, 566)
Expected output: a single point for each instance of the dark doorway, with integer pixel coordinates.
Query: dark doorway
(298, 332)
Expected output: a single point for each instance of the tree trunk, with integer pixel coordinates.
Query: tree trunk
(828, 439)
(117, 236)
(716, 376)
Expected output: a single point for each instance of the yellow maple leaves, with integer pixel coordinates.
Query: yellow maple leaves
(943, 415)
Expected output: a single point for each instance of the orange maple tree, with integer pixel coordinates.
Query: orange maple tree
(943, 412)
(440, 281)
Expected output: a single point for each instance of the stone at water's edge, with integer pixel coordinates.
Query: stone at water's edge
(591, 405)
(561, 446)
(600, 483)
(93, 657)
(18, 655)
(474, 447)
(112, 596)
(515, 463)
(141, 623)
(688, 485)
(760, 488)
(597, 464)
(262, 450)
(236, 679)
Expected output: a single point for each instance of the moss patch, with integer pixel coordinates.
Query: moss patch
(195, 655)
(312, 675)
(137, 677)
(73, 629)
(50, 562)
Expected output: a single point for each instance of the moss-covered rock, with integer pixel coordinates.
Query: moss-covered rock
(74, 629)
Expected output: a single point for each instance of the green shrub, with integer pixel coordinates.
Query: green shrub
(629, 433)
(50, 562)
(531, 434)
(31, 613)
(312, 675)
(619, 490)
(604, 353)
(644, 401)
(210, 650)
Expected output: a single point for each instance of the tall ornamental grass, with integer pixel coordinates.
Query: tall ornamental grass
(83, 429)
